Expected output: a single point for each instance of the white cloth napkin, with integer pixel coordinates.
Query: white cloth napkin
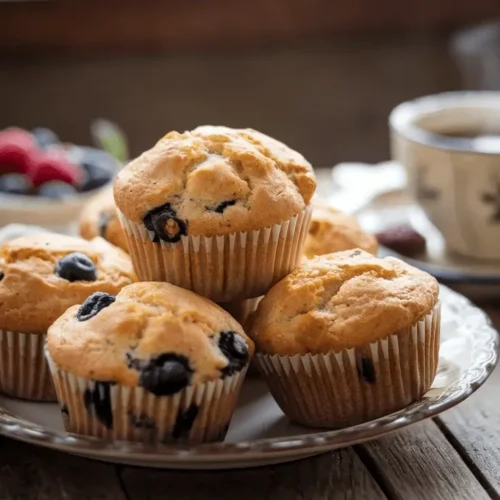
(356, 185)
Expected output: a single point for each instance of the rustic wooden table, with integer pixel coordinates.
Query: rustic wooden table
(455, 456)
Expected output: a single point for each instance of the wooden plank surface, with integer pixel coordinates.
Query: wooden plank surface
(419, 463)
(29, 473)
(473, 428)
(339, 475)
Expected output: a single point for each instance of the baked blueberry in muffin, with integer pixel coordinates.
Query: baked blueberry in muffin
(163, 224)
(95, 303)
(76, 266)
(160, 347)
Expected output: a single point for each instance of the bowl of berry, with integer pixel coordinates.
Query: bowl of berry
(46, 182)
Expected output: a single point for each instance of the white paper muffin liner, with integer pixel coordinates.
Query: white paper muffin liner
(356, 385)
(241, 310)
(222, 268)
(196, 414)
(24, 372)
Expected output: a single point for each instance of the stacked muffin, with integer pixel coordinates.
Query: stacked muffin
(215, 215)
(218, 211)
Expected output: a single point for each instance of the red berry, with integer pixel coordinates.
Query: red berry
(18, 136)
(16, 150)
(53, 165)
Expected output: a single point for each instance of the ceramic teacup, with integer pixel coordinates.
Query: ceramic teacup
(450, 146)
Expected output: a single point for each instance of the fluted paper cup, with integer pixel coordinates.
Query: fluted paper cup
(241, 310)
(222, 268)
(197, 414)
(341, 389)
(24, 372)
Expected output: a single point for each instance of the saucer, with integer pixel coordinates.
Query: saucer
(477, 279)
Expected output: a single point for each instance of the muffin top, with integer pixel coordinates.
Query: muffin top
(44, 274)
(340, 301)
(99, 218)
(152, 335)
(214, 181)
(334, 231)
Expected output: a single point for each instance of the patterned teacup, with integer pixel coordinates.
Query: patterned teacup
(450, 146)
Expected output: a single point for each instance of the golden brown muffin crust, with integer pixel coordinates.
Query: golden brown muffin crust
(334, 231)
(340, 301)
(33, 296)
(217, 179)
(99, 217)
(145, 321)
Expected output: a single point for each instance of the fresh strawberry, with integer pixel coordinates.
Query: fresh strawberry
(53, 165)
(17, 148)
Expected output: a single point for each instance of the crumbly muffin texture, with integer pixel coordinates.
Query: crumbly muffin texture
(340, 301)
(44, 274)
(100, 218)
(214, 181)
(152, 335)
(334, 231)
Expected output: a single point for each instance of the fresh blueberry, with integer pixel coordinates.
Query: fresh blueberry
(96, 176)
(165, 374)
(76, 266)
(97, 401)
(93, 305)
(366, 370)
(45, 137)
(103, 224)
(96, 156)
(164, 224)
(222, 206)
(184, 422)
(56, 190)
(234, 347)
(15, 184)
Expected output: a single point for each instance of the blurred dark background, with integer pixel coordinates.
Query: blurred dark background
(320, 75)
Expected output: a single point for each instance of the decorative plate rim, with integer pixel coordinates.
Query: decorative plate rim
(485, 359)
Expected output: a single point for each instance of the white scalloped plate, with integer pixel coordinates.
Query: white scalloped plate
(260, 434)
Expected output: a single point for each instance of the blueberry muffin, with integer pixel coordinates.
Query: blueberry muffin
(99, 218)
(219, 211)
(41, 276)
(348, 337)
(334, 231)
(154, 363)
